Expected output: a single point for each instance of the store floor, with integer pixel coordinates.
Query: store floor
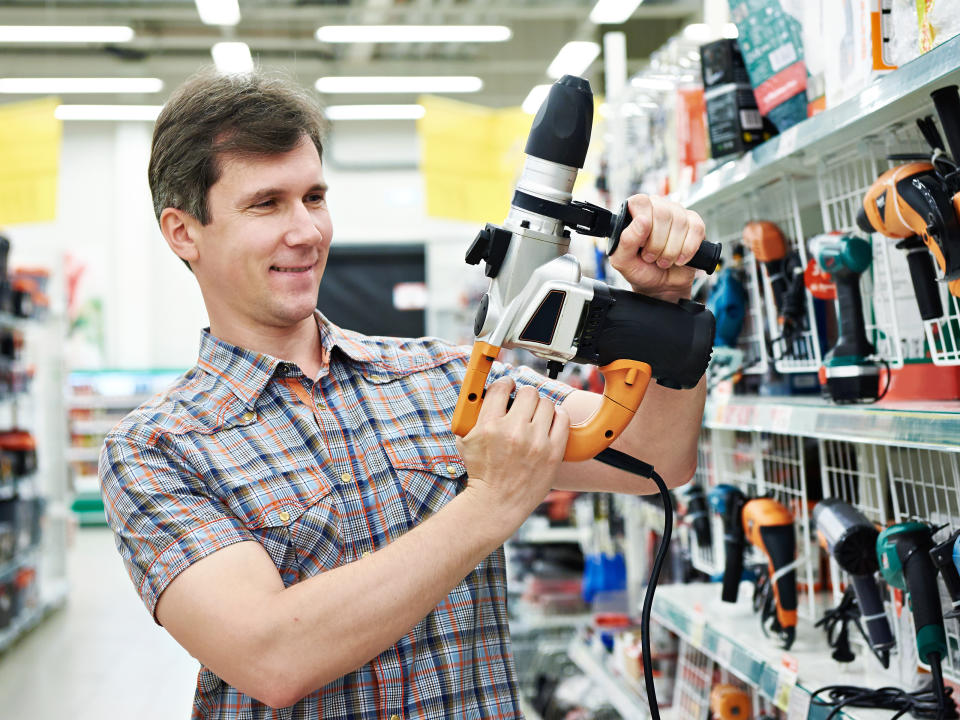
(101, 656)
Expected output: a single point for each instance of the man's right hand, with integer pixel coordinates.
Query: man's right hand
(512, 456)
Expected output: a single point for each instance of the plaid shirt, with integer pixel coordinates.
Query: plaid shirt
(245, 447)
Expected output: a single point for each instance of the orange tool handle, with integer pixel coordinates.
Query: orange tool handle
(765, 240)
(625, 382)
(768, 525)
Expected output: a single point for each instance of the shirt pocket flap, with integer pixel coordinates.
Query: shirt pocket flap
(279, 498)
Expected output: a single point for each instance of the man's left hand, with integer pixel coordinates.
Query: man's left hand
(656, 245)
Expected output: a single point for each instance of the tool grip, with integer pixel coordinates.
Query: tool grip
(942, 556)
(923, 276)
(947, 102)
(920, 575)
(779, 543)
(625, 382)
(733, 568)
(705, 258)
(872, 611)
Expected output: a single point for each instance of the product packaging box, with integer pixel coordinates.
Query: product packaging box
(858, 44)
(734, 123)
(772, 46)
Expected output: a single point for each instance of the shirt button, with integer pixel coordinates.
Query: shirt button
(284, 516)
(451, 469)
(345, 477)
(364, 554)
(394, 717)
(248, 416)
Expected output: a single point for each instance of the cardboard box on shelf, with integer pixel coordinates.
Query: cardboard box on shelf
(858, 44)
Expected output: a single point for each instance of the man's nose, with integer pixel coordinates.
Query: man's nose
(303, 226)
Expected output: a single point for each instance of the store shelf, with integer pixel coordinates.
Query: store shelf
(901, 93)
(98, 426)
(533, 534)
(731, 635)
(124, 402)
(930, 425)
(83, 454)
(621, 693)
(53, 599)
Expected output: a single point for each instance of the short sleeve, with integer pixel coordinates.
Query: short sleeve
(161, 516)
(522, 375)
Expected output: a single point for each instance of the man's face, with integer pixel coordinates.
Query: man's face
(261, 256)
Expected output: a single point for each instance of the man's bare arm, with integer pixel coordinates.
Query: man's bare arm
(231, 611)
(664, 433)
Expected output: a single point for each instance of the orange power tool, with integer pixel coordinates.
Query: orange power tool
(729, 702)
(918, 203)
(768, 526)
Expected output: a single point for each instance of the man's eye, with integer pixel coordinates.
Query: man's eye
(264, 204)
(317, 198)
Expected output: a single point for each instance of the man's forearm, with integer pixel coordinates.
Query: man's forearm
(333, 623)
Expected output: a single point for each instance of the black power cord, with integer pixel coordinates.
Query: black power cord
(847, 611)
(622, 461)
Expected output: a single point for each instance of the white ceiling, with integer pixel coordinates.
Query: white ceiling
(171, 42)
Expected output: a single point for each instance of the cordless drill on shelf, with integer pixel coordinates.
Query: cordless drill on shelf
(918, 204)
(539, 301)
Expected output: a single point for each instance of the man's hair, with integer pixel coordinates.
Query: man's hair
(213, 115)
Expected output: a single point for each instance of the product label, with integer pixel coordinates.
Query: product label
(818, 282)
(781, 87)
(782, 56)
(751, 120)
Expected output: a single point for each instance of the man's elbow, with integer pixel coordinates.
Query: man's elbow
(277, 685)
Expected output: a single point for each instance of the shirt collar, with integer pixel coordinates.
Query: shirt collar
(247, 372)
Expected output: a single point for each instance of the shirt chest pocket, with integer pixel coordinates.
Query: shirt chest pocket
(429, 469)
(296, 516)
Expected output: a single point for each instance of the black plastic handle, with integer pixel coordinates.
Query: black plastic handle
(924, 277)
(780, 544)
(706, 258)
(942, 556)
(921, 580)
(872, 611)
(947, 102)
(734, 545)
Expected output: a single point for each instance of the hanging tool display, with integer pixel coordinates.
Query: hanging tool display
(539, 301)
(728, 301)
(784, 269)
(728, 501)
(768, 526)
(946, 557)
(918, 203)
(729, 702)
(903, 551)
(851, 376)
(852, 540)
(698, 514)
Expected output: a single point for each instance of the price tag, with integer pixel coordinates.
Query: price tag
(788, 142)
(799, 706)
(786, 681)
(698, 624)
(725, 652)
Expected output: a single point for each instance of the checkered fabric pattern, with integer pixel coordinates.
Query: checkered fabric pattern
(232, 452)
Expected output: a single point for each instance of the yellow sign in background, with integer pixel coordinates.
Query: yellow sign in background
(29, 161)
(470, 157)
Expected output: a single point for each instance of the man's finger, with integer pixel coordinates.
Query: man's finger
(524, 404)
(696, 232)
(660, 231)
(495, 399)
(675, 239)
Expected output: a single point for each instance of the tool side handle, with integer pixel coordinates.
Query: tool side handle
(706, 258)
(923, 276)
(872, 611)
(947, 102)
(780, 545)
(733, 568)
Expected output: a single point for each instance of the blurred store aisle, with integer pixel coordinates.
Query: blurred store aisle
(100, 656)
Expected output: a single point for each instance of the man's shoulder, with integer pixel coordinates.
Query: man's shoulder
(194, 401)
(398, 356)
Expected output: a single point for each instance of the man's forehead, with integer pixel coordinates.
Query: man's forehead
(259, 169)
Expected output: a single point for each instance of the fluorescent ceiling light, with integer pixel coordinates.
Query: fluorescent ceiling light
(447, 84)
(375, 112)
(535, 99)
(52, 86)
(218, 12)
(650, 83)
(613, 12)
(107, 112)
(65, 33)
(412, 33)
(574, 58)
(699, 33)
(232, 57)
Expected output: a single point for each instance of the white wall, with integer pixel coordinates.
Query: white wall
(152, 307)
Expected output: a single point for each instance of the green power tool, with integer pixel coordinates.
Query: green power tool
(904, 554)
(851, 377)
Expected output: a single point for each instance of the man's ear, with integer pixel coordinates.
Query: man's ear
(179, 229)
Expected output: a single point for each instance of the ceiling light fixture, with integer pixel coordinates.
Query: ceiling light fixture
(613, 12)
(574, 58)
(535, 99)
(412, 33)
(425, 84)
(232, 57)
(147, 113)
(375, 112)
(218, 12)
(65, 33)
(52, 86)
(651, 83)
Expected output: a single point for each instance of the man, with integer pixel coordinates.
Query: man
(295, 510)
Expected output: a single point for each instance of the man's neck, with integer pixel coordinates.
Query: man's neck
(300, 344)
